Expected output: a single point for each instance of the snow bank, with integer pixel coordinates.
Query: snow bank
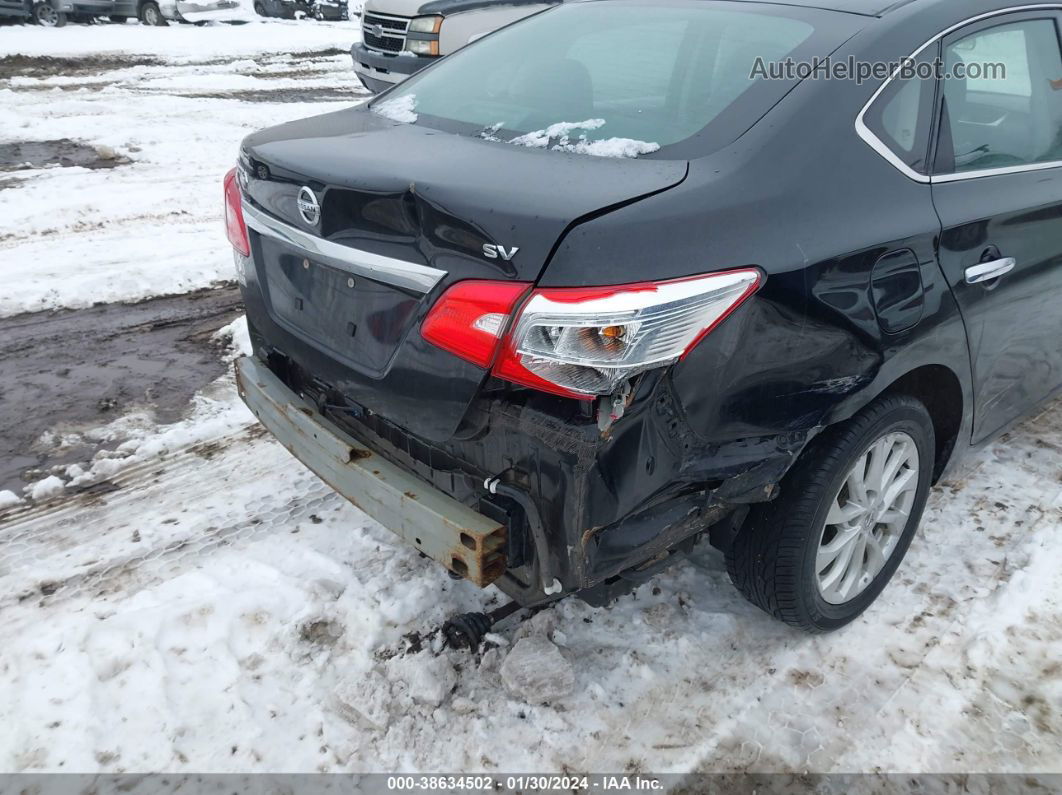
(180, 41)
(8, 499)
(236, 337)
(46, 488)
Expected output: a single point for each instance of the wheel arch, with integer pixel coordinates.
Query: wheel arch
(939, 389)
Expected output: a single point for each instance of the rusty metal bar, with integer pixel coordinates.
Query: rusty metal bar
(464, 541)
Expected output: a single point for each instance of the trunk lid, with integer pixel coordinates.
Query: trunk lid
(404, 212)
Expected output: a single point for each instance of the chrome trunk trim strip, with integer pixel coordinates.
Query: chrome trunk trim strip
(410, 276)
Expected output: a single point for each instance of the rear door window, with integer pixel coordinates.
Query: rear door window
(1003, 105)
(902, 115)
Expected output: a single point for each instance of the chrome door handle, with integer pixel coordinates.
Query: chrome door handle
(987, 271)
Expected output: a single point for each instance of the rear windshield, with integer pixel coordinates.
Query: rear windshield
(614, 78)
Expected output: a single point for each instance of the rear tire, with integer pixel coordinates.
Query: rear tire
(789, 559)
(150, 14)
(260, 10)
(46, 16)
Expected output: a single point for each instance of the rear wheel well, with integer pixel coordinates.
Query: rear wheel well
(939, 389)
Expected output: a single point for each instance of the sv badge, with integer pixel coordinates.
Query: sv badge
(491, 251)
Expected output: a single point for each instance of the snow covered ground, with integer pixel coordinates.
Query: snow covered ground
(222, 610)
(175, 102)
(196, 601)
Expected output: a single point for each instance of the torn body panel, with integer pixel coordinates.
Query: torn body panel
(607, 502)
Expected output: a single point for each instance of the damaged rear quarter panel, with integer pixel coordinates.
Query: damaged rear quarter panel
(805, 352)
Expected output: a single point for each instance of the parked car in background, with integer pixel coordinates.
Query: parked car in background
(550, 311)
(88, 10)
(283, 9)
(56, 13)
(161, 12)
(335, 10)
(401, 37)
(49, 13)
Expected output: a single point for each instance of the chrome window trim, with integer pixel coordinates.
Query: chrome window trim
(421, 279)
(995, 172)
(879, 146)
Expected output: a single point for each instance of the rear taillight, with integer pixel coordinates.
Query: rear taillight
(234, 225)
(470, 318)
(584, 342)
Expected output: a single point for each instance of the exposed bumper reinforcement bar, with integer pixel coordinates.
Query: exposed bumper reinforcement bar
(466, 542)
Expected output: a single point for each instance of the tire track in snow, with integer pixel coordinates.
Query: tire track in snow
(104, 228)
(763, 707)
(971, 543)
(681, 674)
(96, 542)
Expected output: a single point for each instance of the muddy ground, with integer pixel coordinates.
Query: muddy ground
(19, 65)
(65, 372)
(324, 94)
(44, 65)
(73, 370)
(27, 155)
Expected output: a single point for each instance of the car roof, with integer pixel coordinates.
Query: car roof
(869, 8)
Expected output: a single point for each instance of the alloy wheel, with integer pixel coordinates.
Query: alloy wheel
(47, 16)
(867, 518)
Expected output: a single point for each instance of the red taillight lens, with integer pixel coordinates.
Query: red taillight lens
(509, 368)
(470, 318)
(234, 225)
(584, 342)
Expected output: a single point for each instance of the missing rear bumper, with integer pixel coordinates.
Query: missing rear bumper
(466, 542)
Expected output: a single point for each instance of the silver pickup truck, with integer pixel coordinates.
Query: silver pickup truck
(400, 37)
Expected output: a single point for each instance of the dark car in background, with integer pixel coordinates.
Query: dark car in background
(335, 10)
(50, 13)
(551, 312)
(284, 9)
(56, 13)
(330, 10)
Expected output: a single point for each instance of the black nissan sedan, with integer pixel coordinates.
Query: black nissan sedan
(631, 273)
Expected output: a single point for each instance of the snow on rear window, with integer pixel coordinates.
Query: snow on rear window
(540, 138)
(400, 109)
(560, 136)
(649, 75)
(611, 147)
